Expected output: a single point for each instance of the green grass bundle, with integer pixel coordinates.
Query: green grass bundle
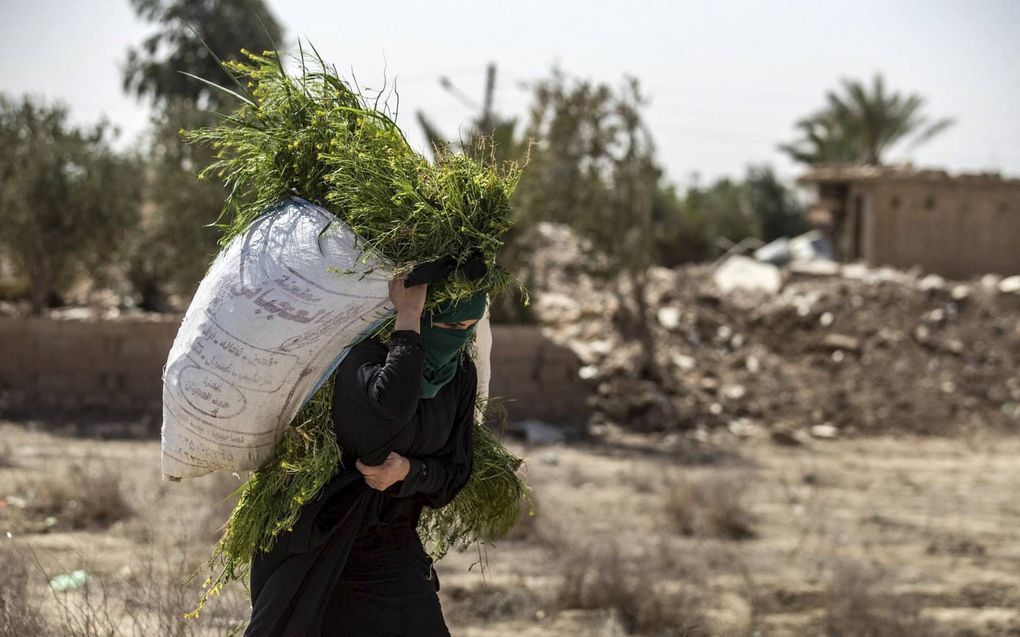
(313, 136)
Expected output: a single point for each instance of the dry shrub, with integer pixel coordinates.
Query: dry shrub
(643, 595)
(81, 496)
(20, 615)
(492, 603)
(6, 456)
(527, 522)
(712, 506)
(159, 591)
(148, 597)
(859, 602)
(216, 503)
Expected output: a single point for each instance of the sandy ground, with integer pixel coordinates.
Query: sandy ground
(830, 532)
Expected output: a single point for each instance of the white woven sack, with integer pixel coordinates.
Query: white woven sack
(273, 318)
(269, 323)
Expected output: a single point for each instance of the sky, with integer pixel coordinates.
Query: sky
(726, 80)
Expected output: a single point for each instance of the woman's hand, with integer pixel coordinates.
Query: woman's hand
(381, 477)
(409, 303)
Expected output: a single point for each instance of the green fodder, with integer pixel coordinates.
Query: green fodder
(271, 500)
(314, 136)
(485, 509)
(489, 504)
(310, 134)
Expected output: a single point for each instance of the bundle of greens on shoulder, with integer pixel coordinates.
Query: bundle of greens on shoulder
(310, 134)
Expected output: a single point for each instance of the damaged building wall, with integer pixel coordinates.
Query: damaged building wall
(956, 226)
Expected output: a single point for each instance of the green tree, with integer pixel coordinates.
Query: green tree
(175, 243)
(861, 124)
(724, 211)
(190, 36)
(680, 230)
(67, 200)
(593, 168)
(773, 204)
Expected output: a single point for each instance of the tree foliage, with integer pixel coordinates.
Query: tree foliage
(175, 242)
(67, 200)
(190, 36)
(773, 204)
(593, 168)
(174, 245)
(861, 124)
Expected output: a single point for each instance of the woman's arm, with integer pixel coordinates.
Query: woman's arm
(438, 478)
(376, 389)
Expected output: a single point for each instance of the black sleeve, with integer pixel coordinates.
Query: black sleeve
(437, 479)
(378, 386)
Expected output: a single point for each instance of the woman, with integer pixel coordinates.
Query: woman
(353, 565)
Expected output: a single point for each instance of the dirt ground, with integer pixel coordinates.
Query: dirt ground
(632, 534)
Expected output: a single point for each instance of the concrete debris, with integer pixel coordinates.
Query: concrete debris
(932, 282)
(811, 246)
(1010, 285)
(742, 273)
(669, 317)
(841, 341)
(826, 432)
(814, 268)
(862, 350)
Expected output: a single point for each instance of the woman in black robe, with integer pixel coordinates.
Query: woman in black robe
(353, 564)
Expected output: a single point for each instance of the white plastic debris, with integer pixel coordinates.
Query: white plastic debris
(739, 272)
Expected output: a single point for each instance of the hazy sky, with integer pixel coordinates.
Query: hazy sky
(726, 80)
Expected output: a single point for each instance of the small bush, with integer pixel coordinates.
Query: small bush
(859, 602)
(492, 603)
(82, 496)
(598, 577)
(713, 506)
(20, 615)
(527, 521)
(6, 456)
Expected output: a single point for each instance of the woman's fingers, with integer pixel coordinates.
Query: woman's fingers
(380, 477)
(367, 469)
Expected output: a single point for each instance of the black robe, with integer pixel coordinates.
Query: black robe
(376, 409)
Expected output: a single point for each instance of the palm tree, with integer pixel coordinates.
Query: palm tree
(860, 126)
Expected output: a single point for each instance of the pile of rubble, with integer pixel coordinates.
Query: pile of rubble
(812, 346)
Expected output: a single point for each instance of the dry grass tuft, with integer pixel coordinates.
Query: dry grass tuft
(147, 597)
(859, 602)
(492, 603)
(20, 615)
(712, 506)
(80, 496)
(645, 599)
(526, 527)
(6, 456)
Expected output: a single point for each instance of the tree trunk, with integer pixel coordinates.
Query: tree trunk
(648, 367)
(39, 287)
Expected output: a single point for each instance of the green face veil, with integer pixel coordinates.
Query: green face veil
(443, 344)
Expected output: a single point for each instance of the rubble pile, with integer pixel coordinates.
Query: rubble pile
(814, 347)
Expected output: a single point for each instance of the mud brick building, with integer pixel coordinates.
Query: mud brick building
(958, 226)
